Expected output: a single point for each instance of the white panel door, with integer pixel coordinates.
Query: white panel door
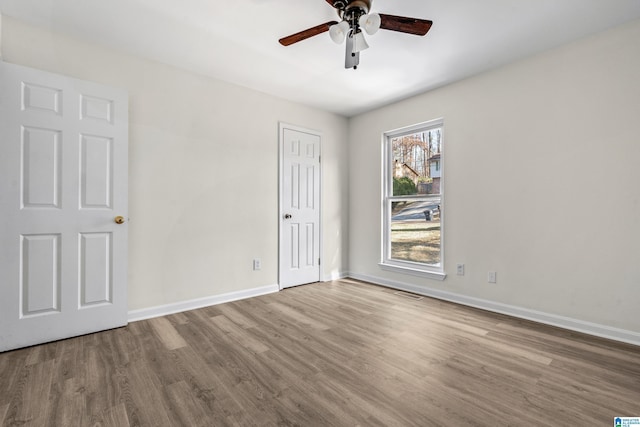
(63, 180)
(299, 207)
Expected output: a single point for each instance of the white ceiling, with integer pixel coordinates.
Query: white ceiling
(237, 40)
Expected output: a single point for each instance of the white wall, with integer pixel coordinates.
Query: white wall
(203, 170)
(525, 147)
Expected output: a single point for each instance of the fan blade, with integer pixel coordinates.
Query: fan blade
(305, 34)
(402, 24)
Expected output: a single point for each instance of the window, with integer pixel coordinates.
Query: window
(412, 200)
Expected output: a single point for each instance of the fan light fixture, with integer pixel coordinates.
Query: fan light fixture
(370, 22)
(354, 21)
(338, 32)
(359, 43)
(354, 18)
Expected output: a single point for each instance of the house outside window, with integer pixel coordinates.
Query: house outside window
(413, 200)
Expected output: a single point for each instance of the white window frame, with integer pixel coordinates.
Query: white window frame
(400, 266)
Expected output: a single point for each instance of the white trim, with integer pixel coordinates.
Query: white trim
(178, 307)
(335, 275)
(595, 329)
(408, 130)
(419, 270)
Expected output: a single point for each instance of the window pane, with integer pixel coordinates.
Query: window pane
(415, 163)
(415, 231)
(412, 198)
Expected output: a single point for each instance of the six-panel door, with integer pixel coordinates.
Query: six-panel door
(63, 179)
(300, 208)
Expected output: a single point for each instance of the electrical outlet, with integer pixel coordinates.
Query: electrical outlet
(491, 277)
(460, 269)
(257, 264)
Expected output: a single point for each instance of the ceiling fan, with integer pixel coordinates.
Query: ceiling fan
(355, 17)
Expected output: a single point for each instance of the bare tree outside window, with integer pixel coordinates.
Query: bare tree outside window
(413, 197)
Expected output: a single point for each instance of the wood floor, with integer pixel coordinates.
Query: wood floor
(330, 354)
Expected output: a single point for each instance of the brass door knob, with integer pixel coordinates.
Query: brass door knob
(119, 219)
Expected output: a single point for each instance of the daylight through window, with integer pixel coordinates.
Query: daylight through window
(412, 232)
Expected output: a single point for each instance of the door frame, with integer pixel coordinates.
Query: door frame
(281, 127)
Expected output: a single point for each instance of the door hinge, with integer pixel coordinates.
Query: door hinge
(318, 261)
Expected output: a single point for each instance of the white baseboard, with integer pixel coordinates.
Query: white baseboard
(335, 275)
(595, 329)
(163, 310)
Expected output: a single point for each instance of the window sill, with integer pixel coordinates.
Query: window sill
(404, 269)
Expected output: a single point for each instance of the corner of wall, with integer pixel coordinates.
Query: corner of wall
(0, 35)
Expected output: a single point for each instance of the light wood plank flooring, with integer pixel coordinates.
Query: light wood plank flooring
(330, 354)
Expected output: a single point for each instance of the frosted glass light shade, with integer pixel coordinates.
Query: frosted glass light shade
(359, 43)
(370, 23)
(338, 32)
